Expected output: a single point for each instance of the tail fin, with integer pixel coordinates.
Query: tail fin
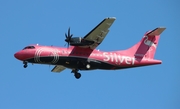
(147, 46)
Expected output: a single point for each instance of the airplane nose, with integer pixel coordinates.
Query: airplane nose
(18, 56)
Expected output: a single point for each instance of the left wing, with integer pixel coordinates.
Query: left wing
(58, 69)
(99, 32)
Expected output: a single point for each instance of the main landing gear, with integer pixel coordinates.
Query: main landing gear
(76, 73)
(25, 64)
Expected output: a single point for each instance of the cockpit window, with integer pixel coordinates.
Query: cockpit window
(29, 47)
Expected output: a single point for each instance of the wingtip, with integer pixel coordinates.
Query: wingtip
(110, 17)
(162, 27)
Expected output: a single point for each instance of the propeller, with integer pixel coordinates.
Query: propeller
(68, 37)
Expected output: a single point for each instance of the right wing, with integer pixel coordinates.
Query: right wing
(98, 34)
(58, 69)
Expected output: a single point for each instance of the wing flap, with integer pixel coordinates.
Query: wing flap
(58, 69)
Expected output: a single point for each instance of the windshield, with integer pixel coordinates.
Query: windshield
(29, 47)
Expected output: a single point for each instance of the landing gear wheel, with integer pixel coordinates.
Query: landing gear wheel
(25, 66)
(77, 75)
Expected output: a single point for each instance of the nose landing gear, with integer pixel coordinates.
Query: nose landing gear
(25, 64)
(76, 73)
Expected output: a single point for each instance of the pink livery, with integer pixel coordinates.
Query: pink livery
(81, 53)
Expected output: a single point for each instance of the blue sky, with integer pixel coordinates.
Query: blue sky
(45, 22)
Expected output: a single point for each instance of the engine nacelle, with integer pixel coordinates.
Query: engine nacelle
(79, 41)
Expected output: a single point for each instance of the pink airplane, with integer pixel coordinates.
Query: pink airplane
(82, 53)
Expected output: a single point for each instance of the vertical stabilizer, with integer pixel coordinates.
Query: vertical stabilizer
(148, 44)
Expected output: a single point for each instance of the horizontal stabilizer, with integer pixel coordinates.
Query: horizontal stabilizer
(156, 31)
(58, 69)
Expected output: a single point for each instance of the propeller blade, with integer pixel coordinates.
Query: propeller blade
(65, 44)
(68, 37)
(71, 35)
(69, 31)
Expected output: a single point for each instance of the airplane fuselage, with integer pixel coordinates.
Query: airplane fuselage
(77, 57)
